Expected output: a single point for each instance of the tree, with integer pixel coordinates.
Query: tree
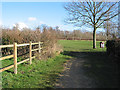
(16, 26)
(111, 29)
(107, 27)
(77, 34)
(92, 14)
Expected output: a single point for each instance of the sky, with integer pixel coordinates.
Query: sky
(33, 14)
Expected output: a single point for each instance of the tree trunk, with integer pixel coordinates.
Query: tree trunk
(94, 31)
(94, 38)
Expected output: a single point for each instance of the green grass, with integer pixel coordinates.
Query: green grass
(97, 64)
(81, 46)
(41, 74)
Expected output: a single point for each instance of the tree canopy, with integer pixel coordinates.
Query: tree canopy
(91, 14)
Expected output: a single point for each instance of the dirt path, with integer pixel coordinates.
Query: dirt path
(88, 70)
(74, 77)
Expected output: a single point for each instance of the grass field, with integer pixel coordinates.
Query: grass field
(81, 46)
(43, 74)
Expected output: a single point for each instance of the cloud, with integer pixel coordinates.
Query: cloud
(32, 18)
(41, 22)
(20, 25)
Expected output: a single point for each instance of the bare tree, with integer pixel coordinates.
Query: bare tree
(107, 27)
(111, 29)
(77, 34)
(16, 27)
(90, 13)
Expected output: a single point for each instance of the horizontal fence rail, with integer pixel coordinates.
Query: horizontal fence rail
(4, 46)
(6, 57)
(19, 45)
(14, 56)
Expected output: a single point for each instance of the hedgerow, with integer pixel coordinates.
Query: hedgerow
(47, 35)
(113, 47)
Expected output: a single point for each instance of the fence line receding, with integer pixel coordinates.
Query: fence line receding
(14, 56)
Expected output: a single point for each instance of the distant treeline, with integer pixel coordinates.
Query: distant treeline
(46, 34)
(24, 36)
(80, 35)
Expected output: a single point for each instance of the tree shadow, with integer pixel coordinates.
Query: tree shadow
(98, 66)
(8, 71)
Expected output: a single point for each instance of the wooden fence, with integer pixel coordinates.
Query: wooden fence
(15, 45)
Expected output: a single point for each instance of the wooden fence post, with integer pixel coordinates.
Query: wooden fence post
(15, 58)
(39, 47)
(30, 52)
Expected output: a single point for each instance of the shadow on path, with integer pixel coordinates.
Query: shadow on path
(89, 70)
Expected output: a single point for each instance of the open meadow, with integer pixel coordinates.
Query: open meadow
(81, 46)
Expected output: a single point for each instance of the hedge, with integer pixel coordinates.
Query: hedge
(113, 47)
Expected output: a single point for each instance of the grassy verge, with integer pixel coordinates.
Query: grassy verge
(41, 74)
